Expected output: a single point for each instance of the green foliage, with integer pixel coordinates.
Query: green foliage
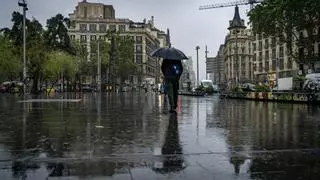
(125, 57)
(263, 88)
(236, 89)
(122, 55)
(56, 35)
(10, 66)
(60, 62)
(285, 20)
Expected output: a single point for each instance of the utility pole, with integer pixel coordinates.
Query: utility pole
(99, 69)
(206, 60)
(23, 4)
(197, 49)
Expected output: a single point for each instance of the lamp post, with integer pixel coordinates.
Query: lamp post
(197, 49)
(99, 68)
(23, 4)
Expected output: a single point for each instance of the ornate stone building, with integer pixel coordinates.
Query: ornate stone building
(238, 52)
(91, 21)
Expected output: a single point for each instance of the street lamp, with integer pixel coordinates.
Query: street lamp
(197, 49)
(23, 4)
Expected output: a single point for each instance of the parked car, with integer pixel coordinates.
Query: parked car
(87, 88)
(10, 87)
(4, 87)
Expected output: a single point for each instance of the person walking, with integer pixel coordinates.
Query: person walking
(172, 70)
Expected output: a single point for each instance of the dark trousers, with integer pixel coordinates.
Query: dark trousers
(173, 87)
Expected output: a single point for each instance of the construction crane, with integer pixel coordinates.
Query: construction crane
(229, 4)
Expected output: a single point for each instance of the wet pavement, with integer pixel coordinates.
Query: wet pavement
(132, 136)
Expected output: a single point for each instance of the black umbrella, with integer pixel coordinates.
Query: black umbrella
(169, 53)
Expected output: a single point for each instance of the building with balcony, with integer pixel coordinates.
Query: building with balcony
(252, 57)
(238, 51)
(269, 57)
(92, 21)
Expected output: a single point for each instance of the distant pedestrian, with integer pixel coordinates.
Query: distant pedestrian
(172, 70)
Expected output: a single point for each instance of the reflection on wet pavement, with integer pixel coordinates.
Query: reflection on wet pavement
(132, 136)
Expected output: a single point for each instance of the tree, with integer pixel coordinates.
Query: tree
(56, 35)
(36, 49)
(60, 62)
(286, 19)
(104, 49)
(123, 55)
(10, 66)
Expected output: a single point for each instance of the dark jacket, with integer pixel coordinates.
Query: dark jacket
(171, 69)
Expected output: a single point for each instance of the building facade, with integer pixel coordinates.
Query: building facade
(238, 52)
(258, 58)
(270, 57)
(219, 67)
(91, 21)
(192, 74)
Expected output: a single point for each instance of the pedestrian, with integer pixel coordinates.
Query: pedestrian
(172, 70)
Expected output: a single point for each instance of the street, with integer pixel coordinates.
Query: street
(133, 136)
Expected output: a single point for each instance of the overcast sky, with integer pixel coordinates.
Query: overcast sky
(188, 26)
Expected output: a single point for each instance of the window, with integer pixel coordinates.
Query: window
(93, 37)
(139, 39)
(266, 66)
(281, 52)
(113, 27)
(72, 37)
(267, 55)
(93, 27)
(260, 45)
(266, 44)
(259, 36)
(274, 65)
(260, 67)
(139, 48)
(273, 54)
(85, 12)
(273, 41)
(83, 38)
(102, 38)
(289, 63)
(301, 54)
(254, 57)
(122, 28)
(301, 36)
(83, 27)
(260, 56)
(138, 58)
(254, 46)
(281, 64)
(243, 50)
(102, 28)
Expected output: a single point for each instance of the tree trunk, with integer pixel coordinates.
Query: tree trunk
(34, 89)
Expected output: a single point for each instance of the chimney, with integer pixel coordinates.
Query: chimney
(152, 21)
(168, 38)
